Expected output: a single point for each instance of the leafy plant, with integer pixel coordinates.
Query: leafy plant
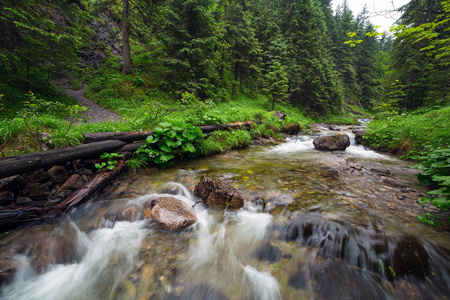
(221, 141)
(189, 104)
(108, 161)
(436, 173)
(169, 141)
(36, 110)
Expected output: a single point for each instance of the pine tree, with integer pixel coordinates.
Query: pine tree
(344, 55)
(191, 40)
(244, 49)
(277, 85)
(312, 81)
(40, 34)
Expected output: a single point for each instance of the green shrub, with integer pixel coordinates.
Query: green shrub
(410, 134)
(436, 173)
(170, 141)
(221, 141)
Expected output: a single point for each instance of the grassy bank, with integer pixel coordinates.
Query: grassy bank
(418, 132)
(19, 123)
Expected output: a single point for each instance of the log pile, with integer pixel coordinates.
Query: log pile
(94, 145)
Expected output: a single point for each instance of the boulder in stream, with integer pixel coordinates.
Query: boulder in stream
(359, 134)
(7, 270)
(172, 214)
(217, 193)
(332, 142)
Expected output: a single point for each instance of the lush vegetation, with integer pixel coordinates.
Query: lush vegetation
(203, 62)
(436, 173)
(410, 134)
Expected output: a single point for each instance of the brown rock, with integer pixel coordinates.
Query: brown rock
(395, 183)
(359, 134)
(278, 201)
(7, 270)
(334, 128)
(36, 191)
(326, 171)
(85, 172)
(74, 182)
(6, 198)
(38, 176)
(172, 213)
(58, 174)
(216, 193)
(332, 142)
(381, 172)
(280, 115)
(13, 183)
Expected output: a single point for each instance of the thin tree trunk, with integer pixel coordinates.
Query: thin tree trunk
(127, 63)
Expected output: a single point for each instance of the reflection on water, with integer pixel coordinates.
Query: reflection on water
(335, 231)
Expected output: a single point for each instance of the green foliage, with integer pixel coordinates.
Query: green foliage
(35, 110)
(170, 141)
(277, 85)
(388, 108)
(420, 55)
(434, 33)
(108, 161)
(410, 134)
(222, 141)
(41, 34)
(426, 218)
(436, 173)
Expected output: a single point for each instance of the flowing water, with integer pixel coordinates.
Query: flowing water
(319, 225)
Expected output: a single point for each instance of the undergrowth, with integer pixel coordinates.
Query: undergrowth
(410, 134)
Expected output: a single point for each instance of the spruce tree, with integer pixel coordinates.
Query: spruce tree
(312, 81)
(277, 84)
(191, 40)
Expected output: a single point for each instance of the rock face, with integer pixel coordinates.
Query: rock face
(172, 213)
(216, 193)
(359, 134)
(58, 174)
(7, 270)
(332, 142)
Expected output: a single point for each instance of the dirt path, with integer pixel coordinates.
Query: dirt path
(96, 113)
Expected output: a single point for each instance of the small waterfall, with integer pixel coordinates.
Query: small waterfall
(111, 254)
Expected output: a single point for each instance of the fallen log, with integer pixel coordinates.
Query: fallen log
(210, 128)
(91, 187)
(45, 159)
(15, 217)
(130, 147)
(92, 137)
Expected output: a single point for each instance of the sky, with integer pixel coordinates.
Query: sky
(381, 12)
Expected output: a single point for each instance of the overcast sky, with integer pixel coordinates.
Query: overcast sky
(381, 12)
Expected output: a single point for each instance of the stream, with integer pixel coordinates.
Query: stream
(320, 225)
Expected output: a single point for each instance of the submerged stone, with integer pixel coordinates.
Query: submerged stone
(268, 252)
(198, 292)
